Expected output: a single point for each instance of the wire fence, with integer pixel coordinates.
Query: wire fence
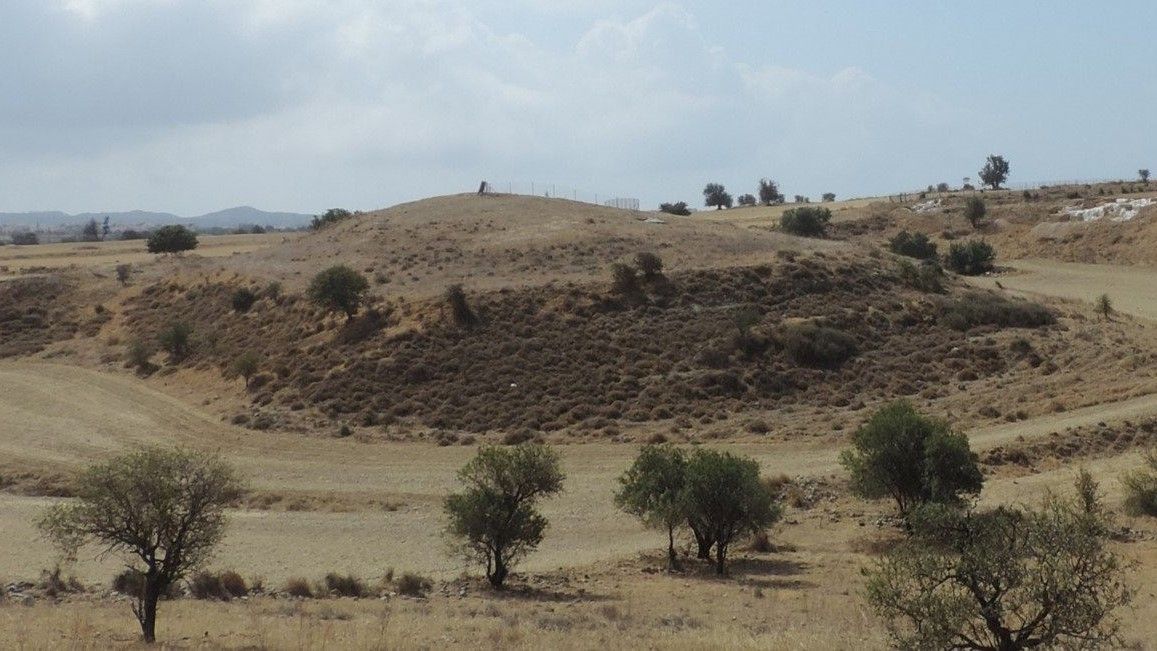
(561, 191)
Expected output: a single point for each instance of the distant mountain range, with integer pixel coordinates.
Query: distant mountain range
(242, 215)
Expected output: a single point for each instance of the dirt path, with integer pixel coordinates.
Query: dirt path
(1133, 289)
(60, 417)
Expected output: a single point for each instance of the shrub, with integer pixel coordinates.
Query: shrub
(339, 289)
(746, 200)
(984, 308)
(331, 216)
(624, 279)
(724, 498)
(176, 339)
(25, 239)
(912, 245)
(971, 258)
(926, 277)
(1144, 175)
(1104, 306)
(809, 344)
(298, 587)
(494, 519)
(131, 582)
(460, 308)
(808, 221)
(139, 353)
(272, 290)
(345, 586)
(974, 210)
(799, 198)
(413, 585)
(123, 272)
(678, 208)
(650, 264)
(243, 299)
(130, 234)
(1141, 488)
(206, 585)
(1004, 579)
(233, 584)
(911, 458)
(942, 187)
(245, 365)
(652, 490)
(172, 239)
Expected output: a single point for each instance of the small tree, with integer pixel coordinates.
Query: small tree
(995, 171)
(974, 211)
(1105, 306)
(769, 192)
(124, 271)
(172, 239)
(91, 231)
(649, 263)
(970, 258)
(1004, 580)
(724, 497)
(164, 510)
(245, 365)
(1144, 174)
(942, 187)
(678, 208)
(746, 200)
(494, 520)
(829, 196)
(339, 289)
(911, 458)
(104, 229)
(331, 216)
(652, 490)
(464, 316)
(139, 355)
(808, 221)
(176, 339)
(714, 194)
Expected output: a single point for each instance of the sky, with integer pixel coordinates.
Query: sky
(190, 106)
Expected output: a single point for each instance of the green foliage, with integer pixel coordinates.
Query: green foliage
(652, 490)
(809, 344)
(1104, 306)
(1003, 579)
(650, 264)
(995, 171)
(331, 216)
(724, 498)
(746, 200)
(1143, 173)
(163, 510)
(942, 187)
(971, 258)
(1141, 487)
(339, 289)
(974, 210)
(808, 221)
(139, 353)
(243, 299)
(172, 239)
(245, 365)
(984, 308)
(678, 208)
(912, 245)
(829, 196)
(769, 192)
(460, 309)
(90, 232)
(176, 340)
(714, 194)
(494, 520)
(926, 277)
(911, 458)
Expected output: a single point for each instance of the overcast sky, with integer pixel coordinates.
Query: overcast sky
(300, 105)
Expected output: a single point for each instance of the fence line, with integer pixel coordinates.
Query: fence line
(561, 191)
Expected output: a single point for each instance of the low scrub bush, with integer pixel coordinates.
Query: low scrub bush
(912, 245)
(345, 586)
(624, 279)
(1141, 488)
(810, 221)
(413, 585)
(299, 587)
(980, 308)
(971, 258)
(926, 277)
(176, 339)
(677, 208)
(460, 308)
(809, 344)
(243, 299)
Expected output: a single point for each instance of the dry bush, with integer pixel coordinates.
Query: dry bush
(1141, 487)
(298, 587)
(984, 308)
(413, 585)
(814, 345)
(345, 586)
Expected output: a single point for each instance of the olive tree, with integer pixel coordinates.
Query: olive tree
(164, 510)
(714, 194)
(494, 521)
(172, 239)
(769, 192)
(995, 171)
(339, 289)
(911, 458)
(245, 365)
(1004, 579)
(652, 490)
(724, 499)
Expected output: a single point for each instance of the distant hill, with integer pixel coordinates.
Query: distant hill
(241, 215)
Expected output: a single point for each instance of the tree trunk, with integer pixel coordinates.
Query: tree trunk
(148, 614)
(497, 576)
(672, 558)
(720, 558)
(704, 542)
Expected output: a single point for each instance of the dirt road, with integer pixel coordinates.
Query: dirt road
(61, 418)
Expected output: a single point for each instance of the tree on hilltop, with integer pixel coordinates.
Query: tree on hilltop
(995, 171)
(716, 195)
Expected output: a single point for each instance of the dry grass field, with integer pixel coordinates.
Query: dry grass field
(370, 503)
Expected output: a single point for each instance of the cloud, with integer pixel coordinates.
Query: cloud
(306, 104)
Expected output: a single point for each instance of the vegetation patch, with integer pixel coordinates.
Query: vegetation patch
(989, 309)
